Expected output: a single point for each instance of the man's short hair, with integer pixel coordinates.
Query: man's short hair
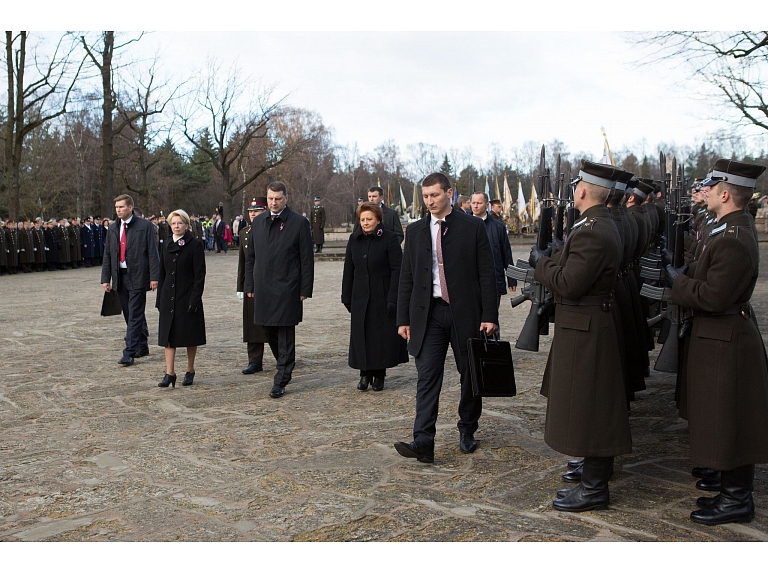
(278, 186)
(437, 178)
(462, 199)
(124, 198)
(740, 194)
(137, 212)
(378, 189)
(477, 194)
(370, 207)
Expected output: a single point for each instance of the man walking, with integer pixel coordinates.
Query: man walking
(279, 275)
(447, 294)
(132, 267)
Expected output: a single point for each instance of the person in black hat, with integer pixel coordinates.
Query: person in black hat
(253, 334)
(495, 212)
(317, 220)
(727, 367)
(583, 383)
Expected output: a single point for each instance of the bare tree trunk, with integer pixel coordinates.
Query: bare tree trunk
(107, 135)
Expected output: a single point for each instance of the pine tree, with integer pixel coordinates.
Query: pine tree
(446, 168)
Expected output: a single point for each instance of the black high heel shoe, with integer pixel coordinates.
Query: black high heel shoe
(168, 380)
(364, 382)
(188, 377)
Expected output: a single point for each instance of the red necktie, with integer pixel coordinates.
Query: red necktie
(123, 241)
(440, 268)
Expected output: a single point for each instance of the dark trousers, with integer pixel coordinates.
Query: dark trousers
(282, 342)
(430, 365)
(221, 244)
(133, 302)
(255, 353)
(373, 373)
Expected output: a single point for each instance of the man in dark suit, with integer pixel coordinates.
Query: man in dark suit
(497, 237)
(447, 295)
(131, 266)
(280, 276)
(391, 220)
(218, 234)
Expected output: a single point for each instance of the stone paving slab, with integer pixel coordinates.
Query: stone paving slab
(92, 451)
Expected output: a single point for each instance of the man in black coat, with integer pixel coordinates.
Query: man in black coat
(280, 276)
(391, 220)
(447, 294)
(51, 246)
(132, 267)
(497, 237)
(88, 242)
(218, 234)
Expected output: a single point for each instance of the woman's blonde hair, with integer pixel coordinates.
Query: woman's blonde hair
(182, 214)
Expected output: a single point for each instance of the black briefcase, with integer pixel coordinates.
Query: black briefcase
(490, 365)
(110, 305)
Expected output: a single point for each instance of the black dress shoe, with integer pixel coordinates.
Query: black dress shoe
(724, 510)
(708, 484)
(168, 380)
(364, 382)
(467, 443)
(703, 472)
(277, 391)
(188, 378)
(252, 368)
(416, 450)
(378, 384)
(126, 360)
(141, 353)
(583, 499)
(574, 463)
(561, 493)
(573, 476)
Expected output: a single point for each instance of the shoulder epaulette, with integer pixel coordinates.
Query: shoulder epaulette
(718, 229)
(579, 223)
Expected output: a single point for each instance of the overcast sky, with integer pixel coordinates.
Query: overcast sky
(453, 89)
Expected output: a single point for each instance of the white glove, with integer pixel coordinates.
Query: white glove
(240, 295)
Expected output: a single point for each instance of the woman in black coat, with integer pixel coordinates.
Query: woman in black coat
(180, 297)
(369, 292)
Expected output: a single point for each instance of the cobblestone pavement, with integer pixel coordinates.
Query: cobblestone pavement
(93, 451)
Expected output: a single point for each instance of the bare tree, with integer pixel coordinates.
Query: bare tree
(423, 159)
(33, 101)
(250, 134)
(102, 53)
(733, 63)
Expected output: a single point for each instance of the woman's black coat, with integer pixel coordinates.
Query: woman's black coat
(371, 277)
(182, 279)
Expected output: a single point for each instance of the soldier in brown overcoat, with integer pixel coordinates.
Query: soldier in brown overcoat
(253, 334)
(727, 367)
(586, 403)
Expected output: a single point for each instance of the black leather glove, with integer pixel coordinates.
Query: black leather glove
(391, 309)
(672, 273)
(192, 309)
(667, 257)
(536, 254)
(555, 243)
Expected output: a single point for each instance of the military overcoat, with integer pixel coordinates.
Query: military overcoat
(317, 219)
(586, 407)
(252, 333)
(727, 370)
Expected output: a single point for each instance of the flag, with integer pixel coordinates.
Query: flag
(487, 190)
(389, 197)
(534, 204)
(521, 206)
(416, 205)
(507, 201)
(607, 155)
(455, 193)
(402, 201)
(497, 196)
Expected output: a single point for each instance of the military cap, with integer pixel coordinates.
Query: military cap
(623, 179)
(360, 200)
(495, 202)
(602, 175)
(258, 204)
(642, 189)
(733, 172)
(317, 199)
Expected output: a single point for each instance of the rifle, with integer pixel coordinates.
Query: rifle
(558, 236)
(537, 322)
(670, 316)
(570, 212)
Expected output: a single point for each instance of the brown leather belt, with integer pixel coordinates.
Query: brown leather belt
(742, 309)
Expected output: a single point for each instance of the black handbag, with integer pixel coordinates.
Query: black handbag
(490, 365)
(110, 305)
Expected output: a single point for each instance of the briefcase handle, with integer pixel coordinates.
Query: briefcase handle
(485, 339)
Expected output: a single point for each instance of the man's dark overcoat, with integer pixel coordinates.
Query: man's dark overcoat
(586, 408)
(141, 254)
(726, 371)
(469, 274)
(370, 281)
(12, 247)
(62, 239)
(281, 270)
(252, 333)
(182, 280)
(25, 245)
(88, 241)
(38, 245)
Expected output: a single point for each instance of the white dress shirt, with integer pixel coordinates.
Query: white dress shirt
(123, 265)
(434, 229)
